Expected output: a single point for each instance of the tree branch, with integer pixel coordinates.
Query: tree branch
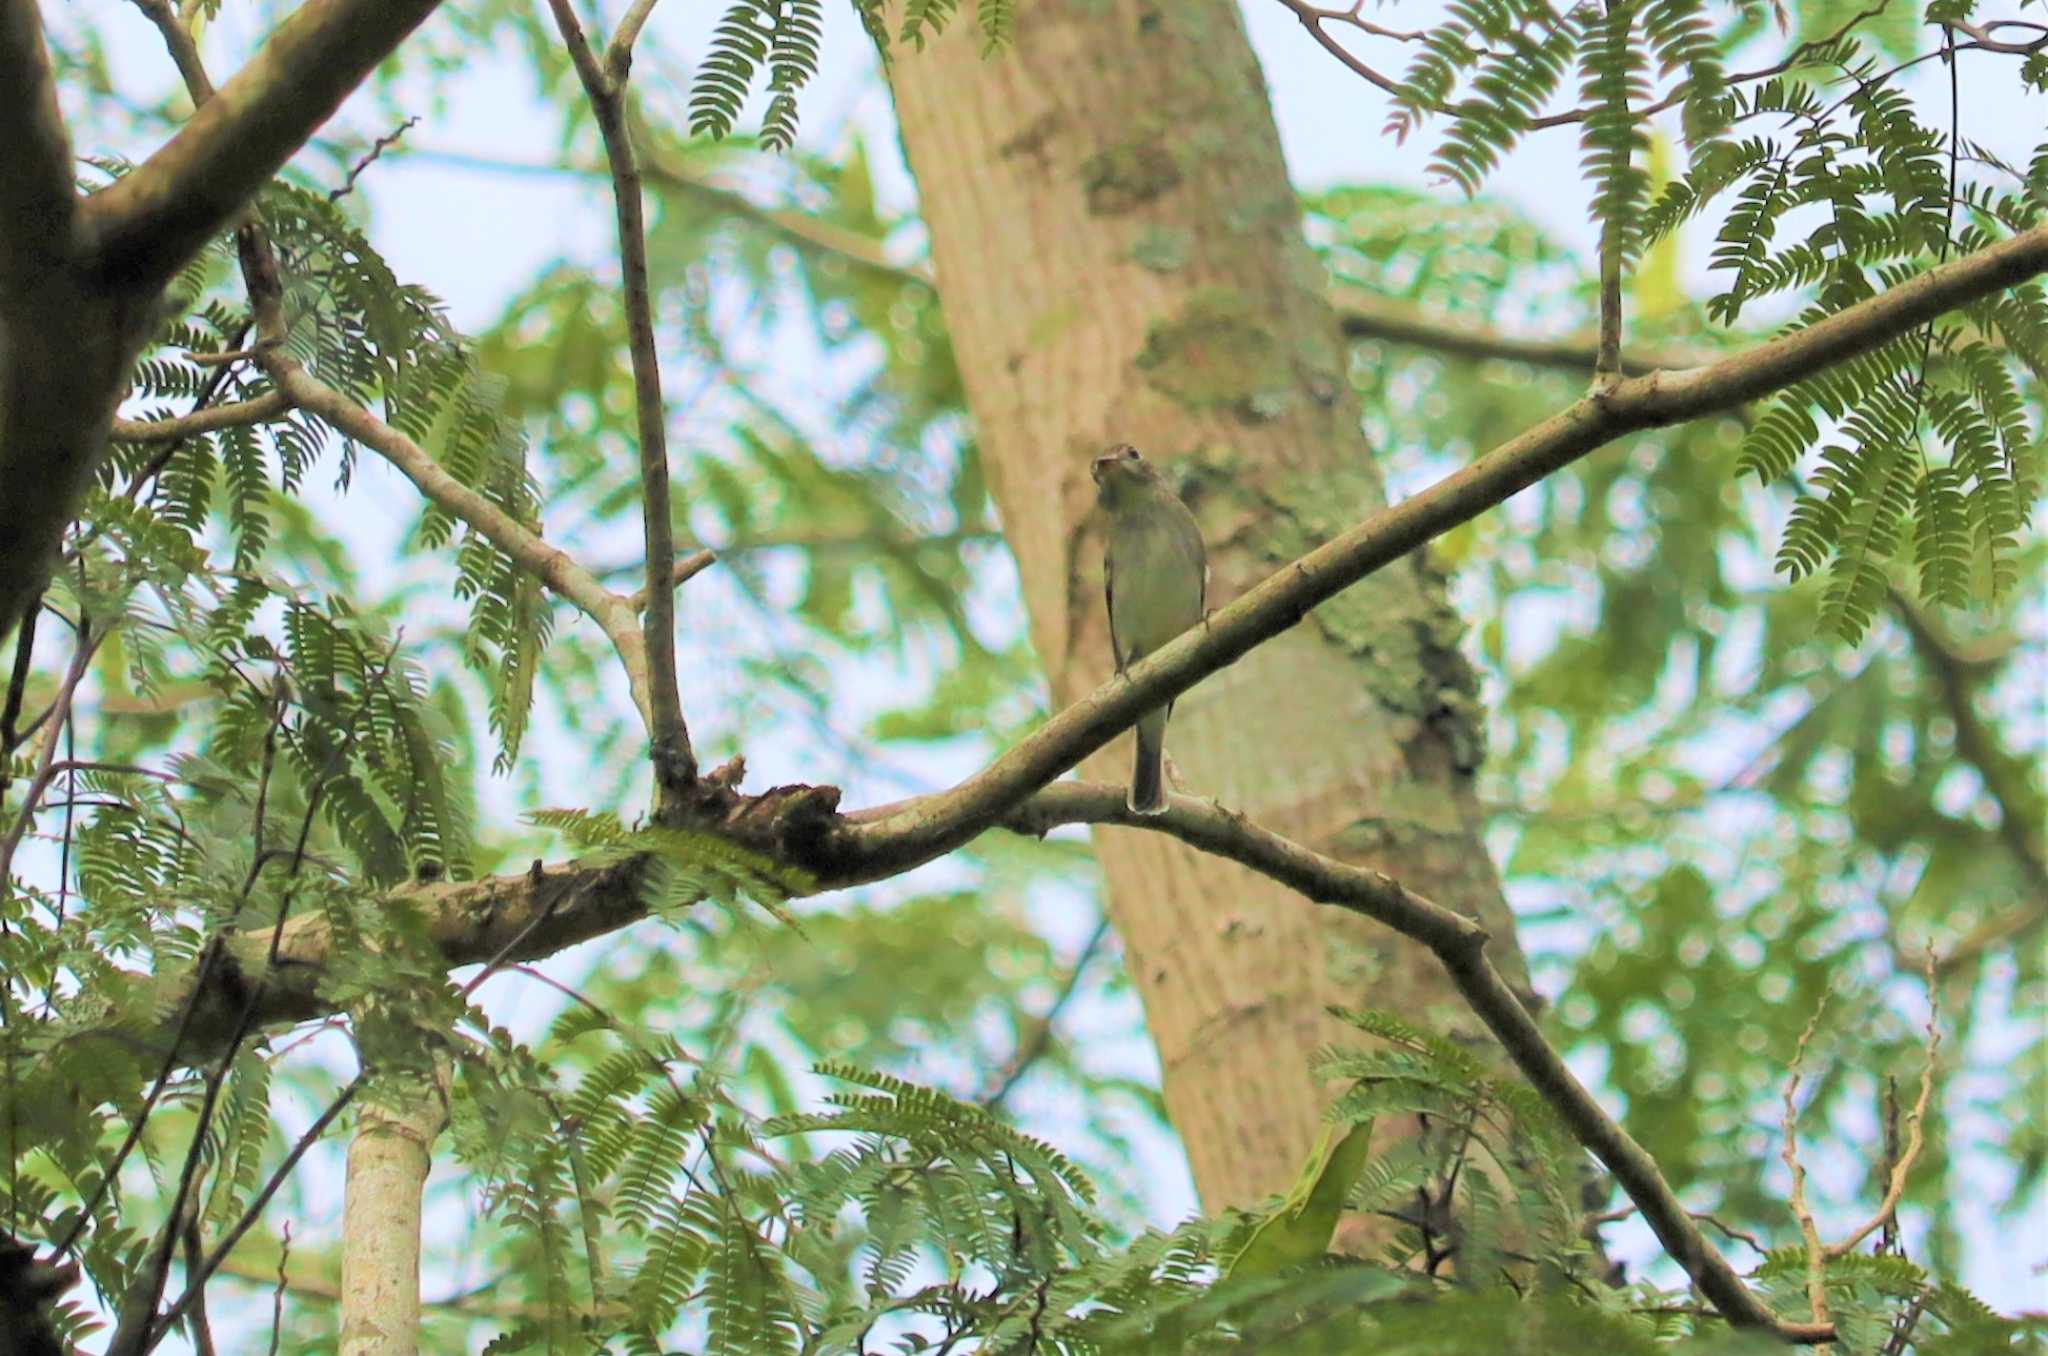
(206, 419)
(688, 568)
(1900, 1168)
(614, 614)
(184, 52)
(1312, 19)
(1460, 945)
(528, 916)
(144, 226)
(936, 824)
(1364, 316)
(675, 766)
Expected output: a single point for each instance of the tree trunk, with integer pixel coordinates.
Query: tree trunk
(1120, 258)
(388, 1163)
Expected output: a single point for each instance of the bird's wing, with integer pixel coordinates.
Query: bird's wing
(1109, 606)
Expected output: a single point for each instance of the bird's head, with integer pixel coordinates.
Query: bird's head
(1121, 469)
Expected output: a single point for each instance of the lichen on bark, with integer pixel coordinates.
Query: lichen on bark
(1217, 353)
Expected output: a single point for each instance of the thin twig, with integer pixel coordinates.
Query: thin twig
(258, 1203)
(89, 641)
(204, 419)
(1727, 1230)
(1312, 19)
(1916, 1126)
(1361, 315)
(618, 56)
(377, 149)
(688, 568)
(1809, 1231)
(184, 52)
(284, 1257)
(194, 1245)
(1036, 1041)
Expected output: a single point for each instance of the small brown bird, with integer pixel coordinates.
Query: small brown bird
(1155, 575)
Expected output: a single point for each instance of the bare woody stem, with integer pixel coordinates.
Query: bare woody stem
(1607, 358)
(534, 914)
(675, 766)
(936, 824)
(206, 419)
(1809, 1230)
(1460, 945)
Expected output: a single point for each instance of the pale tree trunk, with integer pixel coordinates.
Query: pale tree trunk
(388, 1162)
(1120, 258)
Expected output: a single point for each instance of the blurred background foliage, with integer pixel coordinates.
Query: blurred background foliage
(1708, 811)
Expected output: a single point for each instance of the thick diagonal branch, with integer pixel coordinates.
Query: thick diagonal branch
(539, 912)
(936, 824)
(142, 228)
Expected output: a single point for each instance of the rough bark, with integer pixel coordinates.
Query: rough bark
(388, 1162)
(1120, 258)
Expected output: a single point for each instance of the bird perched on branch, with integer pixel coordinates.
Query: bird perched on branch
(1155, 574)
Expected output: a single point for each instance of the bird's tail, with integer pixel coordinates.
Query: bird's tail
(1148, 779)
